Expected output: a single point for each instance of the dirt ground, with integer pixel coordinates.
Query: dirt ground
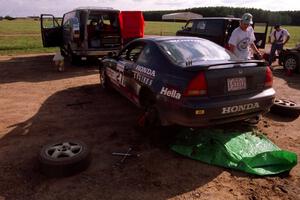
(39, 105)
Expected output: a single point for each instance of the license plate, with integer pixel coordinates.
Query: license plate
(234, 84)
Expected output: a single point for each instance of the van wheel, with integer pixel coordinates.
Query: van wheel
(62, 52)
(285, 107)
(75, 60)
(291, 63)
(64, 158)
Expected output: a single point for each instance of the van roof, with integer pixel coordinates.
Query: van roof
(96, 8)
(218, 18)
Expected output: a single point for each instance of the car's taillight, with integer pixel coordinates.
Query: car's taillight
(197, 86)
(269, 78)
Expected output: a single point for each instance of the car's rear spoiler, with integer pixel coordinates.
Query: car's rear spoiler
(229, 64)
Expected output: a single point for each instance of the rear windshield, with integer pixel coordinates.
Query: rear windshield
(189, 52)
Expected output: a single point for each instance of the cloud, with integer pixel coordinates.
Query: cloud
(58, 7)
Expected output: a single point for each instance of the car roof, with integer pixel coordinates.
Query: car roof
(167, 38)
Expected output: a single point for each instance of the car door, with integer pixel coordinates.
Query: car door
(260, 32)
(121, 71)
(51, 31)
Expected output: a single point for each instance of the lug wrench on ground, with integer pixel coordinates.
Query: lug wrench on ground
(125, 155)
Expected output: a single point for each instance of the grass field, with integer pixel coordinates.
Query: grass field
(23, 36)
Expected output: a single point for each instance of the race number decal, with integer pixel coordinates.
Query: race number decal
(120, 79)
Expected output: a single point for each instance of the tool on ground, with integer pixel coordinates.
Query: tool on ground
(125, 154)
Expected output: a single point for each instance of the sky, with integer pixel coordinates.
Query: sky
(21, 8)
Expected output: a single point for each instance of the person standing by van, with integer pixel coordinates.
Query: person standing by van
(242, 39)
(278, 38)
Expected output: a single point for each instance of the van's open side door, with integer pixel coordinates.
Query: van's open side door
(260, 32)
(51, 31)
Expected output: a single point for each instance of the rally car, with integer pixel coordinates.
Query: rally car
(188, 81)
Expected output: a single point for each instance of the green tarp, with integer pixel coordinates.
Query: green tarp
(247, 151)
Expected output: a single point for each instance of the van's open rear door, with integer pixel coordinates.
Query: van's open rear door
(132, 25)
(51, 31)
(260, 32)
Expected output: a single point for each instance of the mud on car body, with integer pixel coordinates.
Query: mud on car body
(189, 81)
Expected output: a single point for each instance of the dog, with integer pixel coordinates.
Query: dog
(58, 60)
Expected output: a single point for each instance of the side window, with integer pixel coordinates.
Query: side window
(74, 23)
(145, 56)
(201, 26)
(48, 21)
(67, 20)
(189, 25)
(132, 53)
(210, 27)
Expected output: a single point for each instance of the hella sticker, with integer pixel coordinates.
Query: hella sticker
(239, 108)
(170, 93)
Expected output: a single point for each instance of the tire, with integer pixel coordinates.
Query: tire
(64, 158)
(291, 62)
(150, 118)
(75, 60)
(285, 107)
(104, 82)
(62, 52)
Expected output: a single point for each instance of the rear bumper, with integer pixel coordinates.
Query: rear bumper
(206, 112)
(99, 53)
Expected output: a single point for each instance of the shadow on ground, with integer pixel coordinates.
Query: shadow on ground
(293, 80)
(106, 123)
(278, 118)
(39, 68)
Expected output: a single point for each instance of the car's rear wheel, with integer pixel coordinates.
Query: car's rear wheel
(150, 118)
(291, 63)
(285, 107)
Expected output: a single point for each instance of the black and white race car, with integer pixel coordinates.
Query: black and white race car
(188, 81)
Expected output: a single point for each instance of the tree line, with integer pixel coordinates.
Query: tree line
(7, 17)
(273, 17)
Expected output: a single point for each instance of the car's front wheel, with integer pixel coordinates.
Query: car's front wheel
(104, 81)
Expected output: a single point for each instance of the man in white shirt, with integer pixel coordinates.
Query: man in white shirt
(242, 39)
(278, 38)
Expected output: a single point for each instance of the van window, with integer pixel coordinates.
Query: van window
(103, 21)
(210, 27)
(189, 25)
(67, 18)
